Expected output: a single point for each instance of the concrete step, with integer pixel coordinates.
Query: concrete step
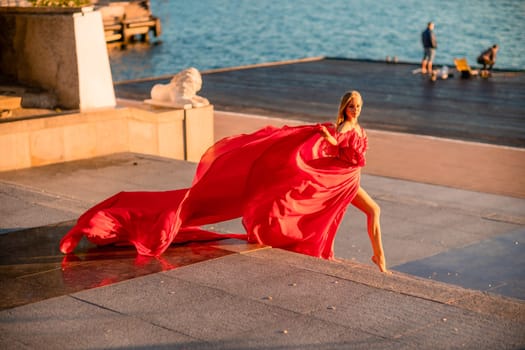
(231, 295)
(10, 102)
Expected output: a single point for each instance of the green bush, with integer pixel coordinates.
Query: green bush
(60, 3)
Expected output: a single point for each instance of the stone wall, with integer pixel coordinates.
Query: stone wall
(171, 133)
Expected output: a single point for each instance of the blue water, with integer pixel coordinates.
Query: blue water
(209, 34)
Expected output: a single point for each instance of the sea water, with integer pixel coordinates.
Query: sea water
(209, 34)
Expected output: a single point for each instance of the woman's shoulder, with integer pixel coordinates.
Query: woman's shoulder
(362, 132)
(355, 138)
(350, 132)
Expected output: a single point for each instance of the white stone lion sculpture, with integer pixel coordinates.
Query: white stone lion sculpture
(181, 92)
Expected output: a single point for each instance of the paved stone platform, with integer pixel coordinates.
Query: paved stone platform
(228, 295)
(268, 299)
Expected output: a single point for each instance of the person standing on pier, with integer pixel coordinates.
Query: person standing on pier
(428, 39)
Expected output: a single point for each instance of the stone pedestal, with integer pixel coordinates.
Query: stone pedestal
(198, 131)
(195, 133)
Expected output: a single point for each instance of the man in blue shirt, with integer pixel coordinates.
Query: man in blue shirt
(428, 39)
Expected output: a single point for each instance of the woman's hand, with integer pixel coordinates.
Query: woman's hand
(326, 134)
(324, 131)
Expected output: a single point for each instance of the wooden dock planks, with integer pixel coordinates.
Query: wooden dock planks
(482, 110)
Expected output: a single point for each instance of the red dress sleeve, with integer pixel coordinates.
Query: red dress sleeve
(299, 203)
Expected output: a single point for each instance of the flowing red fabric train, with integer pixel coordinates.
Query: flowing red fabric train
(289, 185)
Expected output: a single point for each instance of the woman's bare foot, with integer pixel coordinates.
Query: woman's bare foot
(381, 264)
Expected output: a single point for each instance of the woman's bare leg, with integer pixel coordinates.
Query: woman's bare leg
(366, 204)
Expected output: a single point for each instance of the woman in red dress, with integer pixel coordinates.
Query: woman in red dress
(290, 185)
(347, 124)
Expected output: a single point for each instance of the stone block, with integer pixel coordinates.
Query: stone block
(10, 102)
(15, 151)
(198, 124)
(170, 140)
(46, 146)
(168, 124)
(112, 136)
(44, 100)
(80, 141)
(142, 136)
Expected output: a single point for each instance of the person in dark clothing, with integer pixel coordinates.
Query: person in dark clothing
(428, 38)
(488, 57)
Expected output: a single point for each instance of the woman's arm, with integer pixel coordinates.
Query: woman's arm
(326, 134)
(366, 204)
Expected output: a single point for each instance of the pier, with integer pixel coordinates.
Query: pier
(480, 110)
(126, 22)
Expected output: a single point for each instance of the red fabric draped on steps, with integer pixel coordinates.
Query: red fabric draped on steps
(289, 185)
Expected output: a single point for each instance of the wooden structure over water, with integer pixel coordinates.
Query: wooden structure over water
(128, 21)
(484, 110)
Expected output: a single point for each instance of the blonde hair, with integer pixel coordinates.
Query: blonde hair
(348, 97)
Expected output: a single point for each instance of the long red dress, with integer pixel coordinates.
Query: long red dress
(289, 185)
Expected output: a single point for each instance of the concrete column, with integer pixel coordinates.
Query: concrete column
(95, 83)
